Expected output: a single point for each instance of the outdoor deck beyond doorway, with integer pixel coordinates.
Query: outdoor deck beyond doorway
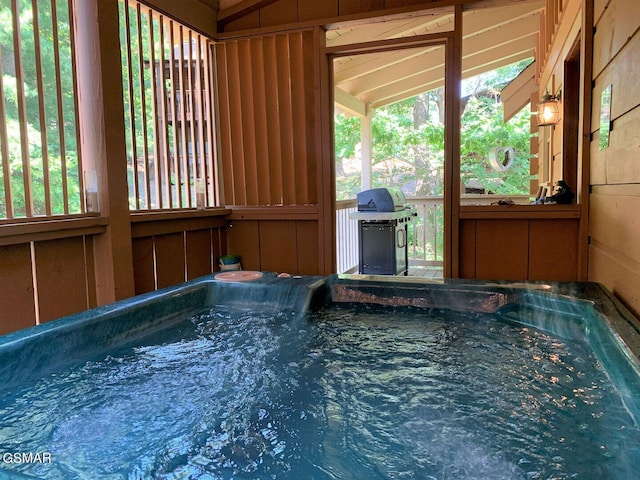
(425, 272)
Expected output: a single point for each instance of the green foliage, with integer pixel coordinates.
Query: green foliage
(347, 138)
(54, 125)
(483, 129)
(408, 150)
(408, 141)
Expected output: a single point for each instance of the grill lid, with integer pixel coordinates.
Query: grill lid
(381, 200)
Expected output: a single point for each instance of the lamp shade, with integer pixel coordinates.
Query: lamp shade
(548, 110)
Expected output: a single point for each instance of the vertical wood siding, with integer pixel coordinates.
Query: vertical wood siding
(169, 252)
(289, 246)
(518, 249)
(44, 280)
(614, 228)
(18, 309)
(266, 111)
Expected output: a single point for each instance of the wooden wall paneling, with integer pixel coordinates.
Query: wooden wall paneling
(571, 105)
(553, 255)
(89, 255)
(249, 21)
(534, 146)
(326, 168)
(619, 162)
(170, 259)
(619, 275)
(16, 284)
(213, 134)
(562, 39)
(614, 220)
(248, 115)
(199, 253)
(348, 7)
(143, 265)
(557, 144)
(260, 87)
(307, 242)
(218, 245)
(223, 107)
(313, 10)
(285, 120)
(467, 249)
(199, 14)
(312, 42)
(61, 277)
(273, 125)
(243, 238)
(502, 249)
(299, 132)
(280, 12)
(598, 8)
(584, 136)
(401, 3)
(614, 29)
(625, 94)
(235, 158)
(279, 246)
(598, 167)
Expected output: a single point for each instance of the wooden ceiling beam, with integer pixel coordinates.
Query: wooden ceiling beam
(518, 92)
(349, 103)
(439, 82)
(421, 62)
(391, 29)
(240, 9)
(474, 22)
(472, 65)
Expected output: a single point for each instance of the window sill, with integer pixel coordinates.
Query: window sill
(25, 230)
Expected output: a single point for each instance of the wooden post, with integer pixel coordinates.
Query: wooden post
(584, 136)
(366, 149)
(453, 76)
(103, 142)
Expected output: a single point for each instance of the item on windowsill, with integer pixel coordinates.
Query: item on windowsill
(230, 262)
(505, 201)
(542, 192)
(563, 194)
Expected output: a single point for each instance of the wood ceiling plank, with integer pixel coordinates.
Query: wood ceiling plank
(416, 63)
(496, 24)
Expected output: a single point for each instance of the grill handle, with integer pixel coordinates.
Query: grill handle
(401, 238)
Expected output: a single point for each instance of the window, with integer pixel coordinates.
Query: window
(40, 172)
(168, 112)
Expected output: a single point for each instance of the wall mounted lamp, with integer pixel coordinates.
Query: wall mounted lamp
(549, 110)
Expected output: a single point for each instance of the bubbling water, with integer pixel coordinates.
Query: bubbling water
(348, 392)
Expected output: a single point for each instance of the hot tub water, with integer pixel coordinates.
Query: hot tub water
(348, 392)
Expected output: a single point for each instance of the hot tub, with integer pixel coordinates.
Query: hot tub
(338, 377)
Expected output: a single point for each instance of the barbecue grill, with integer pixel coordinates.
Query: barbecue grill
(383, 217)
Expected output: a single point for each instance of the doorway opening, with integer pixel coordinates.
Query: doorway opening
(390, 137)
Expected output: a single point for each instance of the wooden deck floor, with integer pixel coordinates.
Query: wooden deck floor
(425, 272)
(415, 271)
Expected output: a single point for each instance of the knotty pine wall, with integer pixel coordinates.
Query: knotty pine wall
(614, 250)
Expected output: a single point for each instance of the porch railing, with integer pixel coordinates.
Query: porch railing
(425, 231)
(346, 237)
